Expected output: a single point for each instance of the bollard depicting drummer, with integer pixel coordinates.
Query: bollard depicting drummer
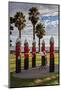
(34, 54)
(51, 55)
(26, 55)
(18, 55)
(43, 54)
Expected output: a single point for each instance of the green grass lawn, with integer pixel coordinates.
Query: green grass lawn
(16, 82)
(38, 60)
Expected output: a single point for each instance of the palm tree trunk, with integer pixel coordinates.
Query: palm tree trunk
(19, 33)
(33, 32)
(39, 44)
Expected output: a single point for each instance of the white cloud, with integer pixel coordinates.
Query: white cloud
(52, 28)
(54, 22)
(48, 10)
(45, 10)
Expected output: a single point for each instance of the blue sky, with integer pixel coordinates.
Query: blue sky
(48, 16)
(51, 18)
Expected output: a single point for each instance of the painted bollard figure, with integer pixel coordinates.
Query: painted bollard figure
(51, 55)
(26, 55)
(18, 56)
(34, 54)
(43, 54)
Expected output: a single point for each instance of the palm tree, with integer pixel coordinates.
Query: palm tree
(10, 25)
(40, 32)
(11, 20)
(11, 28)
(33, 17)
(19, 21)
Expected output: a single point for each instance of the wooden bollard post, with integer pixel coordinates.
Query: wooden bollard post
(26, 55)
(18, 56)
(34, 54)
(43, 53)
(51, 55)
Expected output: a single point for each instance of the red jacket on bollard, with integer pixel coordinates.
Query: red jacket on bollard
(18, 58)
(52, 65)
(18, 50)
(26, 52)
(52, 50)
(33, 51)
(43, 50)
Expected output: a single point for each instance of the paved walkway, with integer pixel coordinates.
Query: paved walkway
(34, 72)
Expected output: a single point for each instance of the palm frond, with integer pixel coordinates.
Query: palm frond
(40, 30)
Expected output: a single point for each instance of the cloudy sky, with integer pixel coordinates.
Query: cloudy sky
(48, 16)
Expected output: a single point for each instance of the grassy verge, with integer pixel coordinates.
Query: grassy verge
(12, 60)
(46, 80)
(50, 79)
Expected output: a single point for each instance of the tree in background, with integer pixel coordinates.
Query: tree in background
(40, 32)
(11, 28)
(19, 21)
(33, 17)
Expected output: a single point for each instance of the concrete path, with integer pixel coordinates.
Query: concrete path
(34, 72)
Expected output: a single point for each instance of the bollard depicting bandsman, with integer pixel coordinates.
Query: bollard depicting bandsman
(18, 55)
(33, 53)
(43, 54)
(51, 69)
(26, 55)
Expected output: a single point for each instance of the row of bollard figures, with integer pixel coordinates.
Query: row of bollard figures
(26, 55)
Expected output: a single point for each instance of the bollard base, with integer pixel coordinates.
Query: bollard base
(26, 63)
(34, 61)
(51, 69)
(18, 66)
(43, 63)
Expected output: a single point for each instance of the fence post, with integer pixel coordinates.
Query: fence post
(43, 53)
(18, 55)
(51, 55)
(33, 54)
(26, 55)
